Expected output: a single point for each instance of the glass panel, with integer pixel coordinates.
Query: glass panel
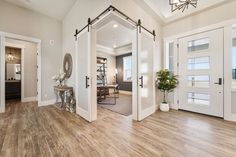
(199, 81)
(171, 57)
(146, 70)
(234, 58)
(198, 45)
(199, 63)
(198, 98)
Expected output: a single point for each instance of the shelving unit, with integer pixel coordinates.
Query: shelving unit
(101, 71)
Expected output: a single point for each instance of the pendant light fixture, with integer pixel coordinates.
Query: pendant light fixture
(182, 4)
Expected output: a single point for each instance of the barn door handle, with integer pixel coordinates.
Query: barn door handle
(86, 81)
(141, 79)
(219, 82)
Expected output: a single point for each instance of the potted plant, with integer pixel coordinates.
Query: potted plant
(166, 82)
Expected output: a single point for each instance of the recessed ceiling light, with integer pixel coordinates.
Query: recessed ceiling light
(115, 25)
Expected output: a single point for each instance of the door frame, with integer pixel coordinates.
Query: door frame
(202, 35)
(3, 36)
(227, 26)
(134, 69)
(22, 65)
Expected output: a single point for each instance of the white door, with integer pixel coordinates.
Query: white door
(201, 73)
(84, 56)
(2, 74)
(146, 84)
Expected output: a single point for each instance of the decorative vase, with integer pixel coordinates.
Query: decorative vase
(164, 107)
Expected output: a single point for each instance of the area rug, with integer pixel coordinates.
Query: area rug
(123, 104)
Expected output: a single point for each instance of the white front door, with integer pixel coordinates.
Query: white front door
(146, 83)
(84, 58)
(201, 73)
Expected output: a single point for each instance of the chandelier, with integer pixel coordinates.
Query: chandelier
(10, 56)
(182, 4)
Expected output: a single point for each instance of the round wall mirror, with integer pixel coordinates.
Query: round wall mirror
(67, 65)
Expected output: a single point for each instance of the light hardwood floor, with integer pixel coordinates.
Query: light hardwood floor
(26, 130)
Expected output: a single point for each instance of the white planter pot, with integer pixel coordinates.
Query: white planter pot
(164, 107)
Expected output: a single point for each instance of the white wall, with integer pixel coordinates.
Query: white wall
(21, 21)
(30, 67)
(83, 9)
(111, 66)
(202, 19)
(76, 19)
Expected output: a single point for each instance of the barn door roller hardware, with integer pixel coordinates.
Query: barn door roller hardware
(112, 8)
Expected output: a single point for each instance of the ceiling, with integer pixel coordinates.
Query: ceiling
(163, 9)
(54, 8)
(114, 37)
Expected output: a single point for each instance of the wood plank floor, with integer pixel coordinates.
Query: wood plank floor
(26, 130)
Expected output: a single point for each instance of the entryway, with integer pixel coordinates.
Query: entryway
(201, 73)
(143, 48)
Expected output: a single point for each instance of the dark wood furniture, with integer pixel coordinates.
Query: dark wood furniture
(103, 92)
(13, 90)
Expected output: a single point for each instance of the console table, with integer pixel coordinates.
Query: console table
(65, 93)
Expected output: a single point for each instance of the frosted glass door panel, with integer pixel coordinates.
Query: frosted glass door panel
(146, 65)
(83, 75)
(145, 74)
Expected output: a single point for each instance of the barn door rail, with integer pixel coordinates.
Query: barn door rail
(113, 9)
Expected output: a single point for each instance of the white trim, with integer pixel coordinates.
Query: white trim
(107, 50)
(29, 99)
(47, 102)
(147, 112)
(19, 37)
(125, 92)
(5, 35)
(123, 50)
(2, 76)
(22, 47)
(83, 113)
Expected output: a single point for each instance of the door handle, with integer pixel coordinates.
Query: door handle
(141, 79)
(86, 81)
(219, 82)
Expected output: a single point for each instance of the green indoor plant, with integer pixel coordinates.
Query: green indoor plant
(166, 82)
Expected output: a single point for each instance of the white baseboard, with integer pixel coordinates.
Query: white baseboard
(174, 106)
(29, 99)
(231, 118)
(83, 113)
(147, 112)
(125, 92)
(1, 110)
(48, 102)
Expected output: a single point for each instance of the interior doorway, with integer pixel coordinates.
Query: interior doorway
(143, 49)
(114, 67)
(20, 69)
(201, 73)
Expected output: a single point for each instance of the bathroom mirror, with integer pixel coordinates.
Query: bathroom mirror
(13, 71)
